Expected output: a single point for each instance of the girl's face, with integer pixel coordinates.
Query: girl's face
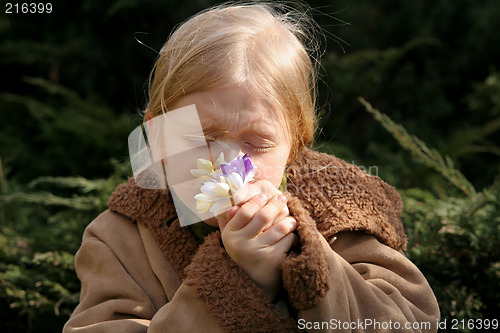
(234, 115)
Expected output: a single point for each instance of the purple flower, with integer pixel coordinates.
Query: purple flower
(222, 179)
(240, 170)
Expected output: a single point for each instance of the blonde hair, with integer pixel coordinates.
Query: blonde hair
(262, 46)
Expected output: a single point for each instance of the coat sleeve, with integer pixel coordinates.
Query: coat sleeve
(122, 293)
(355, 284)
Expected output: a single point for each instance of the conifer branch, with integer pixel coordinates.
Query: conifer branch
(49, 199)
(84, 184)
(428, 156)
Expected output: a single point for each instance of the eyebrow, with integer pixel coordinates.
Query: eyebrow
(214, 128)
(255, 128)
(262, 129)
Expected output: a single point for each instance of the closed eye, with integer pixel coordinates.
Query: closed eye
(259, 148)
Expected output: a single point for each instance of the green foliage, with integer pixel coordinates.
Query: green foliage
(433, 66)
(429, 157)
(452, 239)
(60, 123)
(472, 139)
(37, 281)
(74, 80)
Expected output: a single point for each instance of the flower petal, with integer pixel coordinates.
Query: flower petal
(203, 206)
(199, 172)
(219, 161)
(239, 165)
(222, 189)
(221, 206)
(236, 180)
(203, 197)
(250, 175)
(209, 188)
(204, 164)
(247, 161)
(216, 192)
(226, 169)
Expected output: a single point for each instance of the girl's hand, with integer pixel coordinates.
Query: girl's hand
(257, 233)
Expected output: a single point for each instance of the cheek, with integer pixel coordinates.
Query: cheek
(271, 169)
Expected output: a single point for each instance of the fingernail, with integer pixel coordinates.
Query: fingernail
(232, 212)
(262, 197)
(282, 199)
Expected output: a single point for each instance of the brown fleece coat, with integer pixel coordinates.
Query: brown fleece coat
(142, 272)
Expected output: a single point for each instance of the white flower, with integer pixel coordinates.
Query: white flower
(215, 196)
(221, 179)
(206, 169)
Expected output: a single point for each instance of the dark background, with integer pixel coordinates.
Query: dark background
(74, 82)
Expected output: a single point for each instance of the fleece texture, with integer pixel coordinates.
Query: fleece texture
(342, 197)
(324, 193)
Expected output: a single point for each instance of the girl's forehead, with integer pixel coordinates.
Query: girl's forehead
(234, 110)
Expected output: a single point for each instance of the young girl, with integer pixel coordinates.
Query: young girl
(324, 255)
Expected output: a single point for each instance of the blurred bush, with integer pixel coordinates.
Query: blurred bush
(453, 238)
(42, 226)
(71, 92)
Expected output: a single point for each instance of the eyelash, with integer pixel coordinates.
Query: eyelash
(257, 149)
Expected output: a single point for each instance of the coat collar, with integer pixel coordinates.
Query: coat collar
(337, 195)
(341, 197)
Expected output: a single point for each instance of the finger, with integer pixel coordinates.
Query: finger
(282, 214)
(267, 216)
(249, 190)
(224, 218)
(285, 244)
(278, 231)
(232, 212)
(246, 212)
